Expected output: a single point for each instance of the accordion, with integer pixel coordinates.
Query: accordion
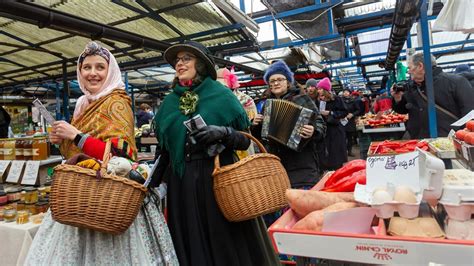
(283, 120)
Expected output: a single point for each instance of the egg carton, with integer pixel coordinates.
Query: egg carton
(386, 209)
(461, 212)
(459, 230)
(428, 187)
(458, 194)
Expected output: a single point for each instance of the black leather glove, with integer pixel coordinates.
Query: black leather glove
(211, 134)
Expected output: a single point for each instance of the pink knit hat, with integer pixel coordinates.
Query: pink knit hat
(325, 84)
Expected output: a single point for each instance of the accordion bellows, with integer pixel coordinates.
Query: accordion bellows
(283, 120)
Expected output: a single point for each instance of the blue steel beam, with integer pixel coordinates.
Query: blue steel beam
(353, 19)
(242, 6)
(425, 34)
(298, 11)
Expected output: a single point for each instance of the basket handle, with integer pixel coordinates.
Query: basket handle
(106, 158)
(217, 163)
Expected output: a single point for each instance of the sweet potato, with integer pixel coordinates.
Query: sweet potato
(314, 221)
(306, 201)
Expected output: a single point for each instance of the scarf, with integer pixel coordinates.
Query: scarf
(108, 118)
(112, 82)
(170, 129)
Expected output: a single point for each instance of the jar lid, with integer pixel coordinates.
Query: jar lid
(14, 190)
(41, 188)
(30, 189)
(3, 203)
(21, 202)
(2, 193)
(41, 203)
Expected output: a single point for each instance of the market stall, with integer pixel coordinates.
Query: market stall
(406, 208)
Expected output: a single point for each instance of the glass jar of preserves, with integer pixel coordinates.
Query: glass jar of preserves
(40, 149)
(2, 151)
(31, 195)
(14, 194)
(28, 149)
(22, 217)
(9, 149)
(9, 214)
(20, 206)
(2, 206)
(3, 197)
(19, 143)
(31, 208)
(42, 206)
(41, 192)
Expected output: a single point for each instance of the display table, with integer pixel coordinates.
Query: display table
(15, 242)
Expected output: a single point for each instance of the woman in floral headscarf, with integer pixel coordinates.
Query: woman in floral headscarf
(103, 114)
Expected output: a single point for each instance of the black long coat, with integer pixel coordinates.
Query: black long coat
(354, 108)
(334, 151)
(452, 92)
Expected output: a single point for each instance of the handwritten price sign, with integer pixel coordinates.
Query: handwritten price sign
(395, 169)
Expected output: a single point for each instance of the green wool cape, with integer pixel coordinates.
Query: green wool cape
(217, 105)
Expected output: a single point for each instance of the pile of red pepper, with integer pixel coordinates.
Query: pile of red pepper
(395, 147)
(345, 178)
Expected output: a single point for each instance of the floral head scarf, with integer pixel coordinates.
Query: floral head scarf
(112, 82)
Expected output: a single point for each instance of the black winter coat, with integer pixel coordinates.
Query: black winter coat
(334, 151)
(469, 76)
(302, 167)
(355, 109)
(452, 92)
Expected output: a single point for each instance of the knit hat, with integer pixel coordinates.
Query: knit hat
(311, 83)
(325, 84)
(279, 67)
(196, 49)
(462, 68)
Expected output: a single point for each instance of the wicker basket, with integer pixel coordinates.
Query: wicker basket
(251, 187)
(94, 200)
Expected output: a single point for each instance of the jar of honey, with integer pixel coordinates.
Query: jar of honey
(31, 208)
(27, 149)
(9, 149)
(2, 151)
(22, 217)
(31, 195)
(9, 214)
(20, 206)
(19, 143)
(40, 149)
(42, 206)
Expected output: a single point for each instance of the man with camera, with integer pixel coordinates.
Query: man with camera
(454, 98)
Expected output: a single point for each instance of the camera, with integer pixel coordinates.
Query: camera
(403, 85)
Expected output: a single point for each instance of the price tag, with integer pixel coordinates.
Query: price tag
(31, 173)
(394, 169)
(15, 171)
(465, 152)
(3, 168)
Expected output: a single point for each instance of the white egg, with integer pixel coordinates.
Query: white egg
(404, 194)
(381, 196)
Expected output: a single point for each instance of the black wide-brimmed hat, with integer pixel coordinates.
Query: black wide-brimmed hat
(196, 49)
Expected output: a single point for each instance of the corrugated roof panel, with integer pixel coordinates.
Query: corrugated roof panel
(197, 18)
(31, 32)
(70, 47)
(95, 10)
(30, 58)
(149, 28)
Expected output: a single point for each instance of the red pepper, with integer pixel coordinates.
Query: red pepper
(346, 170)
(348, 183)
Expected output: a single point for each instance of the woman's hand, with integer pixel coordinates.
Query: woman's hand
(54, 139)
(307, 131)
(325, 113)
(257, 119)
(64, 130)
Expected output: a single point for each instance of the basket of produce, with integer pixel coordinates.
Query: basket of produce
(93, 199)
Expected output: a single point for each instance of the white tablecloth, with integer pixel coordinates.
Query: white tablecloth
(15, 241)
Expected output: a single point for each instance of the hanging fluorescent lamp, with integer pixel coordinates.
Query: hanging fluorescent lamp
(237, 14)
